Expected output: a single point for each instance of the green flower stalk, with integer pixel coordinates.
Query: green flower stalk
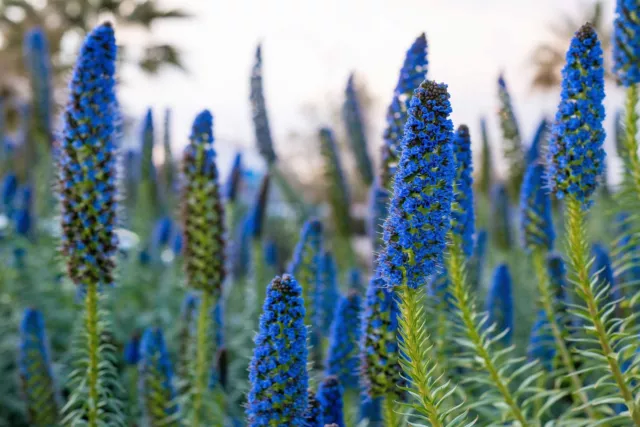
(87, 191)
(204, 249)
(575, 162)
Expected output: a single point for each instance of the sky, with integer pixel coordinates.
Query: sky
(311, 47)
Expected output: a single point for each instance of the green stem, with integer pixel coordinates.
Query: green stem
(466, 312)
(93, 342)
(540, 267)
(578, 250)
(389, 411)
(202, 355)
(415, 347)
(632, 160)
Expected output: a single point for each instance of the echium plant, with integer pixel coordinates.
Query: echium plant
(356, 130)
(278, 369)
(486, 172)
(502, 223)
(87, 191)
(575, 161)
(511, 139)
(34, 362)
(462, 215)
(259, 272)
(305, 265)
(204, 248)
(415, 238)
(537, 147)
(37, 63)
(157, 394)
(412, 73)
(259, 111)
(148, 196)
(338, 193)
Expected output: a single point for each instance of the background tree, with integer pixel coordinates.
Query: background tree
(549, 57)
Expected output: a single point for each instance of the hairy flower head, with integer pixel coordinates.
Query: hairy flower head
(278, 369)
(87, 163)
(576, 157)
(202, 210)
(419, 214)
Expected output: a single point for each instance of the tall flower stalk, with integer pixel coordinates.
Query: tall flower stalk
(204, 249)
(538, 237)
(511, 139)
(576, 160)
(415, 234)
(87, 186)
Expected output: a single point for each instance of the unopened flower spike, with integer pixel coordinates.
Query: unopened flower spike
(278, 369)
(536, 221)
(354, 123)
(259, 111)
(259, 209)
(330, 396)
(415, 230)
(499, 304)
(343, 360)
(337, 185)
(36, 374)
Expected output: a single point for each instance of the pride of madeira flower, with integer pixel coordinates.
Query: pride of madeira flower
(203, 217)
(278, 369)
(419, 214)
(462, 216)
(87, 164)
(575, 158)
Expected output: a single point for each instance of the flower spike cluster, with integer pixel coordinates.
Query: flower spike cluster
(278, 369)
(34, 363)
(536, 221)
(418, 222)
(202, 210)
(576, 157)
(87, 163)
(462, 215)
(626, 42)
